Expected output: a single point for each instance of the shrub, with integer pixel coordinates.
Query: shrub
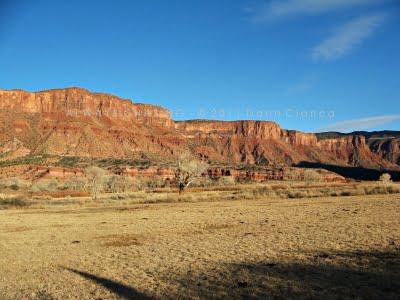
(345, 193)
(393, 189)
(14, 184)
(292, 174)
(118, 184)
(14, 187)
(312, 176)
(76, 183)
(45, 186)
(204, 182)
(142, 183)
(14, 202)
(264, 191)
(385, 178)
(226, 180)
(297, 194)
(155, 182)
(138, 183)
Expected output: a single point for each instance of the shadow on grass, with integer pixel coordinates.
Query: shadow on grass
(371, 275)
(357, 173)
(122, 290)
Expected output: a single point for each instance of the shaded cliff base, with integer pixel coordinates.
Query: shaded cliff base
(357, 173)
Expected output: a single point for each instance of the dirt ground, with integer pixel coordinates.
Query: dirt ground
(303, 248)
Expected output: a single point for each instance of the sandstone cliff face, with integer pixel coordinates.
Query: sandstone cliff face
(77, 102)
(388, 149)
(254, 129)
(298, 138)
(77, 122)
(257, 142)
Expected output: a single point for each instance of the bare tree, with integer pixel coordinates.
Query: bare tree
(187, 170)
(95, 176)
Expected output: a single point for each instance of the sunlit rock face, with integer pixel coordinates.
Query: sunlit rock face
(76, 122)
(78, 102)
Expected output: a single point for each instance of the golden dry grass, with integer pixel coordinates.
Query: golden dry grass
(271, 190)
(336, 247)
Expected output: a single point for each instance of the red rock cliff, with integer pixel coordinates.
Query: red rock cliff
(76, 122)
(78, 102)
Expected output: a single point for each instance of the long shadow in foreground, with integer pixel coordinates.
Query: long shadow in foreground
(315, 275)
(357, 173)
(122, 290)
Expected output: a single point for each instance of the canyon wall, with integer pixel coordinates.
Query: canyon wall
(76, 122)
(78, 102)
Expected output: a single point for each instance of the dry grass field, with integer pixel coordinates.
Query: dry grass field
(326, 247)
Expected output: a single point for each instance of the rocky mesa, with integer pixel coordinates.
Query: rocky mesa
(76, 122)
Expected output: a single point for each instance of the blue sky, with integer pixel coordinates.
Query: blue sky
(310, 65)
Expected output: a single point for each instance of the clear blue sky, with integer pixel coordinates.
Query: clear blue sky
(281, 60)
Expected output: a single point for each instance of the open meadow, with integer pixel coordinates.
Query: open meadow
(254, 247)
